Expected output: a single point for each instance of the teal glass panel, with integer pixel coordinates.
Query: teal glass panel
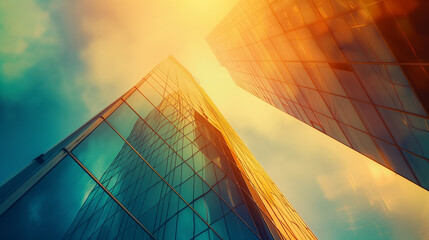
(51, 209)
(409, 100)
(373, 121)
(395, 159)
(102, 218)
(237, 229)
(57, 196)
(410, 132)
(420, 167)
(124, 120)
(99, 149)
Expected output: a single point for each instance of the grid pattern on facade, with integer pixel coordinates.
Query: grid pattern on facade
(356, 70)
(159, 163)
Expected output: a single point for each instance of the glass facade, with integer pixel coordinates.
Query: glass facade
(159, 163)
(356, 70)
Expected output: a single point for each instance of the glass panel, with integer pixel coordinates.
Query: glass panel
(299, 74)
(363, 143)
(420, 167)
(158, 80)
(326, 80)
(329, 47)
(396, 75)
(351, 84)
(344, 37)
(392, 33)
(49, 208)
(316, 101)
(405, 133)
(332, 128)
(396, 160)
(378, 85)
(374, 41)
(99, 149)
(373, 120)
(140, 104)
(101, 217)
(124, 120)
(343, 111)
(150, 93)
(409, 100)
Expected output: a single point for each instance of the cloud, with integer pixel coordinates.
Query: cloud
(40, 82)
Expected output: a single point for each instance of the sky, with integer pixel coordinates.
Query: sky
(63, 61)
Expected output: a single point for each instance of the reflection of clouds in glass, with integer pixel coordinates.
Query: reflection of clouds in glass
(89, 186)
(35, 209)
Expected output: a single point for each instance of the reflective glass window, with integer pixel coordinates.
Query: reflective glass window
(332, 128)
(405, 133)
(140, 104)
(99, 149)
(124, 119)
(150, 93)
(376, 82)
(363, 143)
(396, 159)
(343, 111)
(373, 121)
(420, 167)
(48, 209)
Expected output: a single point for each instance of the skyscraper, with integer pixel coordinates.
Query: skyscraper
(159, 163)
(356, 70)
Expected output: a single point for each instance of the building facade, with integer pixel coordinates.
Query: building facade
(159, 163)
(356, 70)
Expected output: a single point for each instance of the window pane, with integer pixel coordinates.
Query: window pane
(123, 119)
(49, 208)
(150, 93)
(99, 149)
(420, 167)
(100, 216)
(407, 131)
(140, 104)
(363, 143)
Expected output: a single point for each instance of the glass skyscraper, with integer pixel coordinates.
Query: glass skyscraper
(160, 162)
(356, 70)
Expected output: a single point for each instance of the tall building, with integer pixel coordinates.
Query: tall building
(356, 70)
(160, 162)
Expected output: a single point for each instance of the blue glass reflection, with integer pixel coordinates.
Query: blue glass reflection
(99, 149)
(48, 209)
(124, 119)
